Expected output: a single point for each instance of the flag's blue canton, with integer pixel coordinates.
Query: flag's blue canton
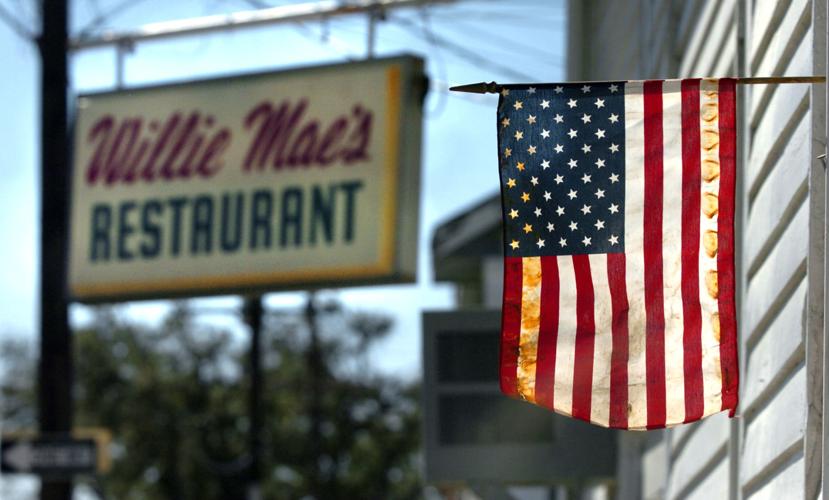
(561, 152)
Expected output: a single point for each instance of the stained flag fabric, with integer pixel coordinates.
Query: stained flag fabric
(618, 206)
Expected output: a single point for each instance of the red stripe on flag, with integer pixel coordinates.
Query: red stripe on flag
(616, 275)
(585, 338)
(511, 324)
(691, 310)
(725, 245)
(545, 371)
(654, 295)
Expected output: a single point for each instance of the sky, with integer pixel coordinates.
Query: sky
(469, 41)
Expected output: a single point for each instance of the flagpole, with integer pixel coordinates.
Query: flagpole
(494, 88)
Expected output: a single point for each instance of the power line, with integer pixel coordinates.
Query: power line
(507, 43)
(436, 85)
(463, 52)
(103, 17)
(439, 62)
(321, 9)
(342, 48)
(15, 25)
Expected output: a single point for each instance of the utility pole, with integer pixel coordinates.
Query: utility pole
(253, 312)
(315, 367)
(55, 370)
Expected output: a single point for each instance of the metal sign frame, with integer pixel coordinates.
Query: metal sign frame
(406, 88)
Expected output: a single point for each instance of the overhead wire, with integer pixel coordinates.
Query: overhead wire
(527, 19)
(463, 52)
(99, 20)
(326, 38)
(96, 7)
(424, 31)
(439, 85)
(508, 44)
(15, 25)
(440, 63)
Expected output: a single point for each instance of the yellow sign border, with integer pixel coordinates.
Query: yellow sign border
(384, 266)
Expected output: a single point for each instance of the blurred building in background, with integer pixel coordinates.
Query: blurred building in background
(774, 448)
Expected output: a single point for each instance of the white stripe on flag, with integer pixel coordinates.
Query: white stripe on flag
(566, 344)
(672, 251)
(603, 344)
(634, 250)
(711, 368)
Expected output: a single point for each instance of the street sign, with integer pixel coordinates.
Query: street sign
(282, 180)
(48, 456)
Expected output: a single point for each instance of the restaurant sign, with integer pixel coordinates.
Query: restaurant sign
(286, 180)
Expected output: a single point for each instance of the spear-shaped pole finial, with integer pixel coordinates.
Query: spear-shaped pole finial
(478, 88)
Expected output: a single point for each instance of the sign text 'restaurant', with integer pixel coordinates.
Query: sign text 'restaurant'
(279, 179)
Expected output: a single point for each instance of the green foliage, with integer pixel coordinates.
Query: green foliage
(176, 401)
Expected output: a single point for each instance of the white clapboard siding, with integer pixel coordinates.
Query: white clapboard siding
(687, 22)
(782, 48)
(725, 64)
(775, 433)
(720, 36)
(703, 451)
(779, 196)
(765, 17)
(654, 467)
(777, 278)
(798, 63)
(775, 354)
(698, 37)
(785, 109)
(788, 482)
(776, 246)
(680, 436)
(714, 484)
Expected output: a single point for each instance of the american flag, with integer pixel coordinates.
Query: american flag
(618, 203)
